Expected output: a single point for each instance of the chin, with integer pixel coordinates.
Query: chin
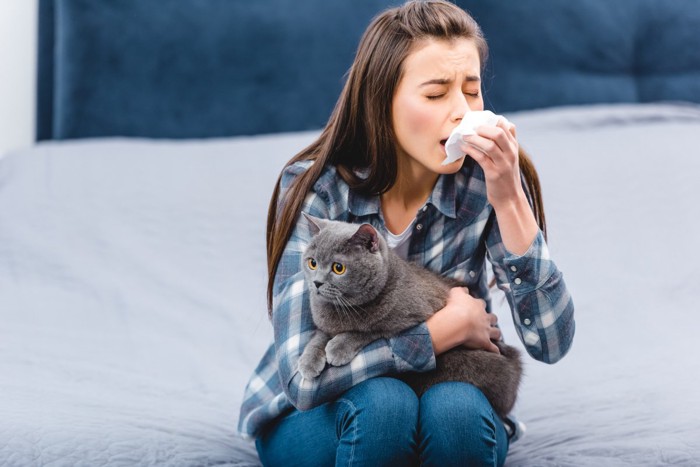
(450, 168)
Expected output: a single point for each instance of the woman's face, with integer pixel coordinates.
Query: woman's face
(441, 81)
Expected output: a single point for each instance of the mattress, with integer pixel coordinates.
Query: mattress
(132, 293)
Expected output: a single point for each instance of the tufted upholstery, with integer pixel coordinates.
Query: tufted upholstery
(204, 68)
(550, 53)
(197, 68)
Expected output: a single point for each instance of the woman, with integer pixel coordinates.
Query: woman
(379, 160)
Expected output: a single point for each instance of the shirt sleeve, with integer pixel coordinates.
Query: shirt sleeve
(542, 308)
(293, 326)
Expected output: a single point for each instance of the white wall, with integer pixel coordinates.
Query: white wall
(18, 30)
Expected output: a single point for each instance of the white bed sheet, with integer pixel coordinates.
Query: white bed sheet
(132, 305)
(622, 200)
(132, 308)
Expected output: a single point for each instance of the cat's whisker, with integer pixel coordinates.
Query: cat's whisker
(342, 307)
(336, 299)
(353, 308)
(347, 310)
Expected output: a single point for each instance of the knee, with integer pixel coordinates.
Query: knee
(376, 423)
(461, 402)
(457, 422)
(385, 401)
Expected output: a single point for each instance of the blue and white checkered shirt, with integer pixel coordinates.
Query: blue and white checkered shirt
(455, 231)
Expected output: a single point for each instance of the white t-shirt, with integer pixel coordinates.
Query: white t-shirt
(399, 243)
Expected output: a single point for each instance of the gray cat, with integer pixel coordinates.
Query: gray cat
(362, 291)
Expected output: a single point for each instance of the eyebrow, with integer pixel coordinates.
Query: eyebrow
(469, 79)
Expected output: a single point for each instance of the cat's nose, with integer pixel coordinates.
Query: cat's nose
(318, 284)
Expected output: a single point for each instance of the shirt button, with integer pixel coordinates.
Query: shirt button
(518, 281)
(527, 321)
(425, 208)
(513, 268)
(419, 226)
(472, 274)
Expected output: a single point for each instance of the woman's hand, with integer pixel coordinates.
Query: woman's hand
(495, 149)
(463, 321)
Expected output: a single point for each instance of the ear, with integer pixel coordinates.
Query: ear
(367, 237)
(315, 224)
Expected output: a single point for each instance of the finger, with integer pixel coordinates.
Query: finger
(512, 130)
(479, 155)
(496, 138)
(493, 348)
(469, 148)
(495, 334)
(484, 142)
(507, 126)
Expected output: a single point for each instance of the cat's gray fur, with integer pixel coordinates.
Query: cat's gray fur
(378, 296)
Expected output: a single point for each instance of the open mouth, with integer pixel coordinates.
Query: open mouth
(443, 141)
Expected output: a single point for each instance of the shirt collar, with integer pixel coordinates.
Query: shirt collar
(363, 205)
(444, 195)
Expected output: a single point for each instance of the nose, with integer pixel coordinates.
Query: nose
(318, 284)
(459, 107)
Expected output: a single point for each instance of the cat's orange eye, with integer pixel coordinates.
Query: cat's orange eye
(338, 268)
(311, 263)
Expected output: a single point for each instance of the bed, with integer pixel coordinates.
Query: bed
(132, 256)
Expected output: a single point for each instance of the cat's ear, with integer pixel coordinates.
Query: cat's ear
(315, 224)
(366, 236)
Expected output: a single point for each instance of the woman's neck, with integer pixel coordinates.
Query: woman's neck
(410, 192)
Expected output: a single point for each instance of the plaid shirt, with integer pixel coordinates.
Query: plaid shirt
(455, 231)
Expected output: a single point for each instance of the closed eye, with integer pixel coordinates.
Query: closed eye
(473, 95)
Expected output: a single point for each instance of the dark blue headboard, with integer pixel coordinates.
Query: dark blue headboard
(193, 68)
(209, 68)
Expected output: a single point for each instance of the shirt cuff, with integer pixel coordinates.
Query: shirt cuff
(413, 349)
(531, 270)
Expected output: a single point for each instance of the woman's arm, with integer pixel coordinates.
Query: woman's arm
(543, 311)
(495, 149)
(542, 308)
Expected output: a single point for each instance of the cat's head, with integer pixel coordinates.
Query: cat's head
(344, 264)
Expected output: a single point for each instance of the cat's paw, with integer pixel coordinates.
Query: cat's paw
(311, 364)
(340, 350)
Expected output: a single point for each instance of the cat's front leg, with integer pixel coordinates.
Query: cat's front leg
(343, 347)
(313, 359)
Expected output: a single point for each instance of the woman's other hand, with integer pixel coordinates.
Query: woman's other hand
(463, 321)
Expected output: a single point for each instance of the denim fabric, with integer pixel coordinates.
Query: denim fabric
(381, 422)
(457, 426)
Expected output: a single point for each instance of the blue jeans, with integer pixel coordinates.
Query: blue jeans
(382, 422)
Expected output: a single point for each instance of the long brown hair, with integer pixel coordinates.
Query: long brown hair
(359, 133)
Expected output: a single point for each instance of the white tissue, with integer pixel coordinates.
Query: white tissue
(468, 125)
